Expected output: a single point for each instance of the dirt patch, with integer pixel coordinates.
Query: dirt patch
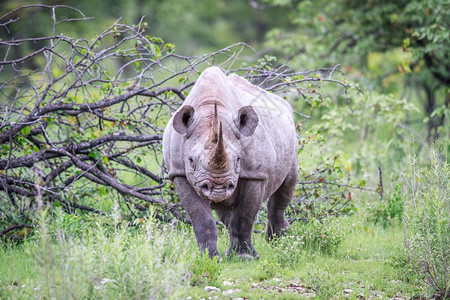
(293, 288)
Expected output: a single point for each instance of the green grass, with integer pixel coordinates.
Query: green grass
(15, 265)
(105, 262)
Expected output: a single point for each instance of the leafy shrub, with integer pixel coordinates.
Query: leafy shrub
(323, 282)
(427, 227)
(205, 270)
(109, 262)
(390, 212)
(323, 236)
(267, 269)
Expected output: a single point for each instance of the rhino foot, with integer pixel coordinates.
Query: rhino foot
(211, 253)
(247, 257)
(244, 253)
(271, 234)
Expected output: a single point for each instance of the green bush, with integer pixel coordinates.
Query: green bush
(108, 262)
(390, 212)
(427, 227)
(322, 236)
(323, 282)
(205, 270)
(267, 269)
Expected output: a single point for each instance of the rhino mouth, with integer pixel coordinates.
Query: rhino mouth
(216, 192)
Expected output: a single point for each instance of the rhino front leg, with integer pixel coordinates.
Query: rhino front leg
(242, 218)
(199, 212)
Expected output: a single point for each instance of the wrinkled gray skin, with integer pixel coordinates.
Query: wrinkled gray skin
(229, 147)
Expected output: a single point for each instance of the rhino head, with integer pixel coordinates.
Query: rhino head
(212, 147)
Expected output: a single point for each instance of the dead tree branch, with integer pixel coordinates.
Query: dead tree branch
(88, 121)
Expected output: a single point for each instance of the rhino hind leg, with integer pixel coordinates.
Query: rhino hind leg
(277, 204)
(225, 217)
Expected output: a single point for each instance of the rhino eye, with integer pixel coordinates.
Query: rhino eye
(191, 163)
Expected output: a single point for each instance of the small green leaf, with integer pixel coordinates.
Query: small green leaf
(26, 130)
(95, 154)
(50, 121)
(158, 52)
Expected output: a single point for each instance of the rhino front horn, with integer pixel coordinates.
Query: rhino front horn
(219, 158)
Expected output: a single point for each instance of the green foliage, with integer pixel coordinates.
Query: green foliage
(107, 262)
(396, 51)
(427, 226)
(267, 269)
(73, 224)
(322, 236)
(369, 261)
(323, 282)
(343, 28)
(389, 212)
(194, 26)
(325, 180)
(205, 270)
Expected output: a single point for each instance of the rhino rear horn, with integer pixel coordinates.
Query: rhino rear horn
(212, 138)
(247, 120)
(215, 119)
(183, 119)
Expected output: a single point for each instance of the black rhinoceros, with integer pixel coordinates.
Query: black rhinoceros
(230, 146)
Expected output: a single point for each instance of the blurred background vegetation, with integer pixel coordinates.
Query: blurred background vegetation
(397, 52)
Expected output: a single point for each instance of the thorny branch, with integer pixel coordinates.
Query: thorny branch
(87, 123)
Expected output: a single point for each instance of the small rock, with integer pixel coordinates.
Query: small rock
(106, 280)
(228, 292)
(227, 283)
(347, 291)
(188, 298)
(309, 295)
(398, 296)
(211, 289)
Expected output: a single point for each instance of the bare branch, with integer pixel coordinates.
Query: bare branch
(89, 120)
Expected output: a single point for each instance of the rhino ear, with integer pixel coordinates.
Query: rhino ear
(247, 120)
(183, 119)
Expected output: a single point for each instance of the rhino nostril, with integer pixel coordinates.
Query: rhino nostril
(230, 186)
(206, 188)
